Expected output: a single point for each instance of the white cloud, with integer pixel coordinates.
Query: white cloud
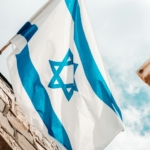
(129, 141)
(136, 119)
(132, 138)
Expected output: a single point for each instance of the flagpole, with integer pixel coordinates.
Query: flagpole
(4, 47)
(31, 20)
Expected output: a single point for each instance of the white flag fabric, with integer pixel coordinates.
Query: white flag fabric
(59, 78)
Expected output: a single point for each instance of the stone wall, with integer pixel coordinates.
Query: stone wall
(14, 126)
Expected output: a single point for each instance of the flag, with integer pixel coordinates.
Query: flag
(60, 80)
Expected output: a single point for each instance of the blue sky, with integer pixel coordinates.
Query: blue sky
(122, 30)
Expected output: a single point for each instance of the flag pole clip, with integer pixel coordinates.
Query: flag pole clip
(4, 47)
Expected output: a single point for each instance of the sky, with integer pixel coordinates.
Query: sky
(122, 31)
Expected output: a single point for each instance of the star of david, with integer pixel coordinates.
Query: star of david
(57, 82)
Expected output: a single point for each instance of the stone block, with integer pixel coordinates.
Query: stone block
(19, 115)
(2, 105)
(39, 147)
(49, 145)
(4, 97)
(7, 90)
(16, 122)
(36, 133)
(9, 140)
(24, 143)
(5, 124)
(28, 135)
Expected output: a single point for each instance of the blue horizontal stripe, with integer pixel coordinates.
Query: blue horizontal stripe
(39, 97)
(91, 70)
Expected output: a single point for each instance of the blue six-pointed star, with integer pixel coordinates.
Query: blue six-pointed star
(57, 82)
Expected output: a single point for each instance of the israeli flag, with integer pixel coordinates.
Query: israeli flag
(60, 80)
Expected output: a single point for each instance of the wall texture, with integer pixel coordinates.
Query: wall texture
(14, 126)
